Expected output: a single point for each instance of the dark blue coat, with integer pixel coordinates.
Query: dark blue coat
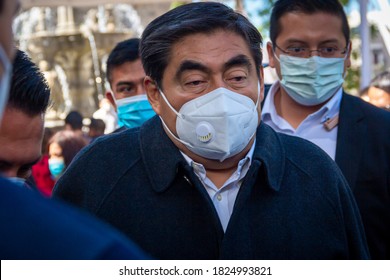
(363, 155)
(33, 227)
(293, 203)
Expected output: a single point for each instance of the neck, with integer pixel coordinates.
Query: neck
(291, 111)
(218, 172)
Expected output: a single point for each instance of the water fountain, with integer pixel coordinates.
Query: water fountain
(71, 45)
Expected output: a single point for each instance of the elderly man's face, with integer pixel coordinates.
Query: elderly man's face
(201, 63)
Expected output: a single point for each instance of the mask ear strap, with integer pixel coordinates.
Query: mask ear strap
(348, 51)
(170, 106)
(276, 57)
(173, 135)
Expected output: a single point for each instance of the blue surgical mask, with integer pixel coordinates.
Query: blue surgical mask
(56, 167)
(134, 111)
(311, 81)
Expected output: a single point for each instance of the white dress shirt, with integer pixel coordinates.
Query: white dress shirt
(312, 127)
(225, 197)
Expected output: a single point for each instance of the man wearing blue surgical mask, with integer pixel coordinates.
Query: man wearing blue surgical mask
(310, 49)
(126, 76)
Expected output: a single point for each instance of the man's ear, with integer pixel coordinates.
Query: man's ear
(153, 94)
(110, 97)
(271, 57)
(261, 81)
(348, 59)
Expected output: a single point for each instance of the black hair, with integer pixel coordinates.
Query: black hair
(98, 125)
(162, 33)
(75, 120)
(282, 7)
(29, 90)
(125, 51)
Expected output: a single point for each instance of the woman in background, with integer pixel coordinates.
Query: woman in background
(40, 171)
(63, 147)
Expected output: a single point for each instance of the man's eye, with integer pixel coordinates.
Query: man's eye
(328, 50)
(194, 83)
(238, 79)
(296, 50)
(125, 89)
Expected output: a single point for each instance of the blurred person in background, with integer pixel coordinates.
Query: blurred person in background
(63, 147)
(126, 76)
(74, 122)
(378, 93)
(96, 129)
(107, 113)
(43, 179)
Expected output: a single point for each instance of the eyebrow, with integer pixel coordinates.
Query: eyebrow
(125, 84)
(130, 83)
(292, 41)
(240, 60)
(187, 65)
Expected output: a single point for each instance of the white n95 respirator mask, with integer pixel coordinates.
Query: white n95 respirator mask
(217, 125)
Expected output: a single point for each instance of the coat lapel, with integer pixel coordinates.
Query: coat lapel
(350, 138)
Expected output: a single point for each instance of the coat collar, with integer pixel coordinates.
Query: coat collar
(163, 159)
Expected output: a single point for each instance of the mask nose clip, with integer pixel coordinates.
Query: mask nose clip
(204, 132)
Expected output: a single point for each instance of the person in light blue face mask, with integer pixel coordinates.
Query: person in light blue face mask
(63, 147)
(133, 111)
(126, 78)
(310, 50)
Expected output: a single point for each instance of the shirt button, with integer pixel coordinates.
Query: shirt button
(219, 197)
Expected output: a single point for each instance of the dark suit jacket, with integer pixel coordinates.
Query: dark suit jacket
(33, 227)
(293, 202)
(363, 155)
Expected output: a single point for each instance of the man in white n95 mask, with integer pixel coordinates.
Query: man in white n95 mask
(205, 178)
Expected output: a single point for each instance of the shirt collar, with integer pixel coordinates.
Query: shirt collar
(162, 169)
(201, 171)
(327, 111)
